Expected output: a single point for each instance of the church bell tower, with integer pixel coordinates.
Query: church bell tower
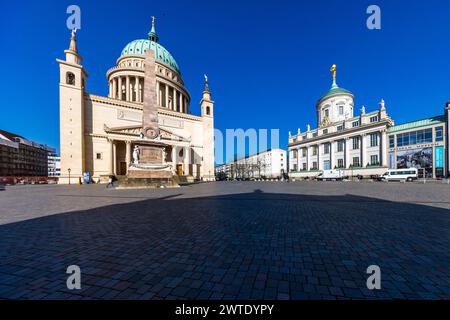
(72, 82)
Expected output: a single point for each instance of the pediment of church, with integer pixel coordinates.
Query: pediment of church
(135, 131)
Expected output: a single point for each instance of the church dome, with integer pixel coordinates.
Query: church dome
(335, 90)
(140, 46)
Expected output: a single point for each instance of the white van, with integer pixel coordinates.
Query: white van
(333, 175)
(409, 175)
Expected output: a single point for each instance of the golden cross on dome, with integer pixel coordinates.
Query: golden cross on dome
(153, 21)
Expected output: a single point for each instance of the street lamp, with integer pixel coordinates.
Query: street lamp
(69, 174)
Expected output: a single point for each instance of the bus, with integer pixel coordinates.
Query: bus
(409, 174)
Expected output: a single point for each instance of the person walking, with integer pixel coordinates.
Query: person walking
(110, 182)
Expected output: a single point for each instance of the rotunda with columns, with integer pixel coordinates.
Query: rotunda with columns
(126, 79)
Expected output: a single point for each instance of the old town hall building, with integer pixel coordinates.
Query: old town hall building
(342, 139)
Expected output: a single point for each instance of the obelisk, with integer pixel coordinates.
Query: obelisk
(151, 150)
(150, 126)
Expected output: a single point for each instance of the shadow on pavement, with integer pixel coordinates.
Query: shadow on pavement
(242, 246)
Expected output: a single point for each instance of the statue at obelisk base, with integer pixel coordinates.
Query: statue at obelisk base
(149, 168)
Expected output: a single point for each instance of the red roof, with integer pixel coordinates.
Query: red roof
(10, 135)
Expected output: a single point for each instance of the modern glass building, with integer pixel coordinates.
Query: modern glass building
(419, 144)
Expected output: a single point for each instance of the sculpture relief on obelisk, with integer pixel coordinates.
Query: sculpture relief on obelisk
(150, 126)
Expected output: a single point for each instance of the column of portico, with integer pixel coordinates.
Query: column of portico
(127, 90)
(110, 89)
(114, 154)
(167, 95)
(120, 88)
(383, 149)
(347, 152)
(363, 150)
(181, 103)
(111, 157)
(128, 153)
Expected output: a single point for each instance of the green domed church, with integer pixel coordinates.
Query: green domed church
(97, 132)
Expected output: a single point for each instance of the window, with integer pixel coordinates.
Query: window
(304, 152)
(373, 119)
(327, 113)
(325, 131)
(98, 156)
(356, 162)
(340, 128)
(391, 141)
(340, 163)
(439, 131)
(355, 143)
(326, 148)
(208, 111)
(341, 110)
(70, 78)
(305, 137)
(314, 165)
(304, 166)
(415, 137)
(374, 139)
(314, 151)
(314, 134)
(374, 160)
(340, 146)
(355, 124)
(294, 154)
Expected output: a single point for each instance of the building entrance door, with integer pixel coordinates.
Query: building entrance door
(123, 168)
(179, 170)
(326, 165)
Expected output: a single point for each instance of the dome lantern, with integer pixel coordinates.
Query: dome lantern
(152, 36)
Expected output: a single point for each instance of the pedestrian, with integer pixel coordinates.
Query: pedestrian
(110, 182)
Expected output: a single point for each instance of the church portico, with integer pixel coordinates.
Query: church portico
(120, 156)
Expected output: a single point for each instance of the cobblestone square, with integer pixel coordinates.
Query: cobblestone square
(227, 240)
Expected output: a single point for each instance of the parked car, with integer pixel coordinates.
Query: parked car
(409, 175)
(2, 186)
(331, 175)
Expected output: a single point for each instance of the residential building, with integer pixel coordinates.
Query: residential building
(270, 164)
(20, 157)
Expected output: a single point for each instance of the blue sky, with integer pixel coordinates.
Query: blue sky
(267, 61)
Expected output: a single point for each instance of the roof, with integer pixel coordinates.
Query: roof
(418, 124)
(140, 46)
(10, 135)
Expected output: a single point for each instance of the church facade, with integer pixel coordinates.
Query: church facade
(97, 132)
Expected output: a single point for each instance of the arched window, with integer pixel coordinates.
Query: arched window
(207, 111)
(70, 78)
